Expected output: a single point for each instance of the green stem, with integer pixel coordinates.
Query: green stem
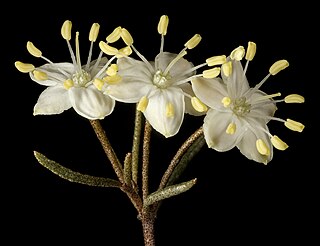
(136, 145)
(101, 135)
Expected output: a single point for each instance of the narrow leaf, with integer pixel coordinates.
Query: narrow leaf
(185, 159)
(73, 176)
(169, 191)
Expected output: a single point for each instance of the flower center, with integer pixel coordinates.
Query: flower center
(240, 106)
(81, 78)
(161, 80)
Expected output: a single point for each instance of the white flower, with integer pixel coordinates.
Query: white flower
(71, 84)
(237, 114)
(161, 87)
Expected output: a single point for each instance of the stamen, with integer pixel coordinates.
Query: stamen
(112, 80)
(169, 110)
(211, 73)
(278, 143)
(115, 35)
(193, 42)
(94, 31)
(227, 68)
(294, 125)
(231, 129)
(126, 37)
(24, 67)
(216, 60)
(143, 103)
(180, 55)
(251, 51)
(263, 98)
(226, 101)
(67, 84)
(198, 105)
(107, 49)
(163, 25)
(39, 75)
(294, 98)
(278, 66)
(112, 70)
(125, 51)
(238, 53)
(262, 147)
(33, 50)
(99, 83)
(105, 66)
(66, 30)
(143, 58)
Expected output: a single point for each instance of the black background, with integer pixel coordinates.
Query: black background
(234, 201)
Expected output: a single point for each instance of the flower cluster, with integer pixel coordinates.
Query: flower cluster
(165, 89)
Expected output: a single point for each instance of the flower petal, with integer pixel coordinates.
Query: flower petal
(210, 91)
(187, 89)
(237, 82)
(57, 73)
(247, 145)
(178, 70)
(90, 102)
(156, 111)
(53, 100)
(136, 81)
(215, 126)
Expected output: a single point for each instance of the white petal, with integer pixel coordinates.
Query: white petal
(186, 87)
(55, 76)
(93, 68)
(262, 109)
(247, 145)
(210, 91)
(130, 67)
(156, 111)
(53, 100)
(163, 59)
(90, 102)
(214, 127)
(237, 82)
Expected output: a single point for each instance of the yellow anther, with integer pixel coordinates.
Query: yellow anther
(112, 69)
(169, 110)
(125, 51)
(226, 101)
(294, 98)
(163, 25)
(278, 66)
(94, 32)
(39, 75)
(231, 129)
(109, 50)
(24, 67)
(262, 148)
(33, 50)
(67, 84)
(227, 68)
(238, 53)
(66, 30)
(211, 73)
(111, 80)
(126, 37)
(294, 125)
(115, 35)
(193, 42)
(198, 105)
(251, 50)
(98, 83)
(278, 143)
(143, 103)
(216, 60)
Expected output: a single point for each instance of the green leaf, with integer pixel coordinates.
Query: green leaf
(185, 159)
(169, 191)
(73, 176)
